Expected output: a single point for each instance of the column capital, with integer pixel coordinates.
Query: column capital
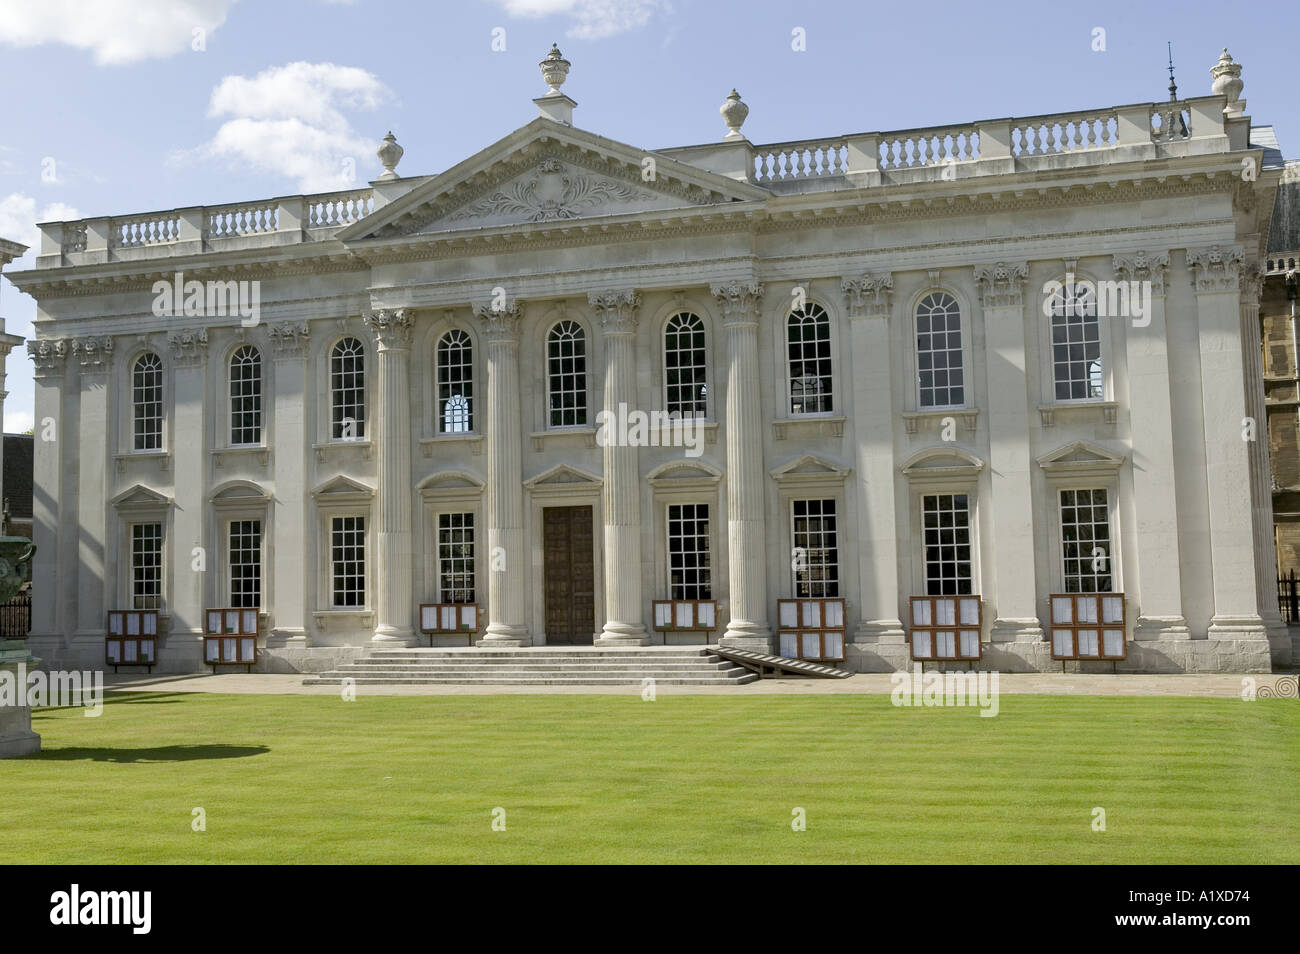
(617, 310)
(391, 327)
(1143, 267)
(1216, 268)
(868, 296)
(739, 300)
(500, 324)
(289, 339)
(1252, 283)
(1001, 285)
(95, 352)
(48, 355)
(189, 348)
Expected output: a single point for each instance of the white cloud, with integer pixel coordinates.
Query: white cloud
(115, 31)
(592, 19)
(289, 120)
(18, 220)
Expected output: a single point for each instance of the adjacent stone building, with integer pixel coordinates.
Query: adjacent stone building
(570, 378)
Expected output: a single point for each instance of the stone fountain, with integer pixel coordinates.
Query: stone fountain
(16, 735)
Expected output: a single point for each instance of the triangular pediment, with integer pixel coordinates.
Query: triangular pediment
(546, 172)
(1082, 457)
(809, 466)
(564, 476)
(342, 488)
(942, 461)
(140, 497)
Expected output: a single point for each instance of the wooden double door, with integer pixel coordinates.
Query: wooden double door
(569, 575)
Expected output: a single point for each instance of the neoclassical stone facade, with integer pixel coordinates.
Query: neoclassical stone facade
(858, 370)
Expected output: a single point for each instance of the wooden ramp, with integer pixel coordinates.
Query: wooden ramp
(766, 665)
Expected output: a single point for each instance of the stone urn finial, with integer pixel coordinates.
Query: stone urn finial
(554, 69)
(1227, 82)
(733, 114)
(390, 154)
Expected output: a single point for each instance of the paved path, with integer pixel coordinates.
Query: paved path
(1220, 686)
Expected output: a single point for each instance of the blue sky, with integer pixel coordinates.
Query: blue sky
(110, 109)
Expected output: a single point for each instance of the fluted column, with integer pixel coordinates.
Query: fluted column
(93, 356)
(1159, 577)
(504, 505)
(747, 626)
(624, 624)
(1228, 472)
(868, 300)
(394, 611)
(1015, 595)
(289, 397)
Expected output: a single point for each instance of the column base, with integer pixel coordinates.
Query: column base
(743, 634)
(504, 636)
(1237, 627)
(1161, 627)
(622, 634)
(391, 637)
(16, 736)
(287, 636)
(888, 631)
(1024, 630)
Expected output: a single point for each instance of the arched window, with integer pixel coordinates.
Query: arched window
(455, 360)
(808, 340)
(566, 374)
(246, 396)
(685, 366)
(938, 352)
(1077, 371)
(147, 402)
(348, 391)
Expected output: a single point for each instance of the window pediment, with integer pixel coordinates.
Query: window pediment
(942, 462)
(809, 469)
(342, 490)
(563, 477)
(140, 497)
(1081, 458)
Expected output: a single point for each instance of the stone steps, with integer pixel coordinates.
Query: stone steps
(537, 667)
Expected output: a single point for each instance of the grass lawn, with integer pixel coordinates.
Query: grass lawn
(682, 779)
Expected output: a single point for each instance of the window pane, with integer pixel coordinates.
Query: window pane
(147, 402)
(808, 338)
(1077, 371)
(684, 365)
(455, 383)
(245, 555)
(566, 356)
(1085, 541)
(816, 556)
(945, 526)
(348, 561)
(456, 557)
(146, 566)
(348, 391)
(939, 351)
(689, 572)
(246, 396)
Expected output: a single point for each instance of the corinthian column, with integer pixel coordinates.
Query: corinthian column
(392, 331)
(746, 526)
(1014, 580)
(505, 520)
(94, 356)
(617, 312)
(189, 350)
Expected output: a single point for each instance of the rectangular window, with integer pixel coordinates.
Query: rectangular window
(1085, 541)
(938, 352)
(1076, 351)
(945, 523)
(689, 572)
(245, 555)
(816, 548)
(146, 566)
(348, 561)
(456, 557)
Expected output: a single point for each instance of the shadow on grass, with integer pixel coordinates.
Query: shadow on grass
(161, 753)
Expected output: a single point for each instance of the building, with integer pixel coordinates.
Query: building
(570, 377)
(17, 485)
(1281, 369)
(9, 481)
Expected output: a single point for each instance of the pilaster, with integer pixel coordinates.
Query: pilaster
(188, 444)
(1014, 574)
(869, 300)
(289, 612)
(50, 576)
(92, 360)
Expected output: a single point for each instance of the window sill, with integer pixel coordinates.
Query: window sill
(260, 451)
(162, 457)
(541, 437)
(1105, 411)
(322, 448)
(914, 419)
(473, 438)
(809, 425)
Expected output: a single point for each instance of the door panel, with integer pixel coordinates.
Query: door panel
(570, 575)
